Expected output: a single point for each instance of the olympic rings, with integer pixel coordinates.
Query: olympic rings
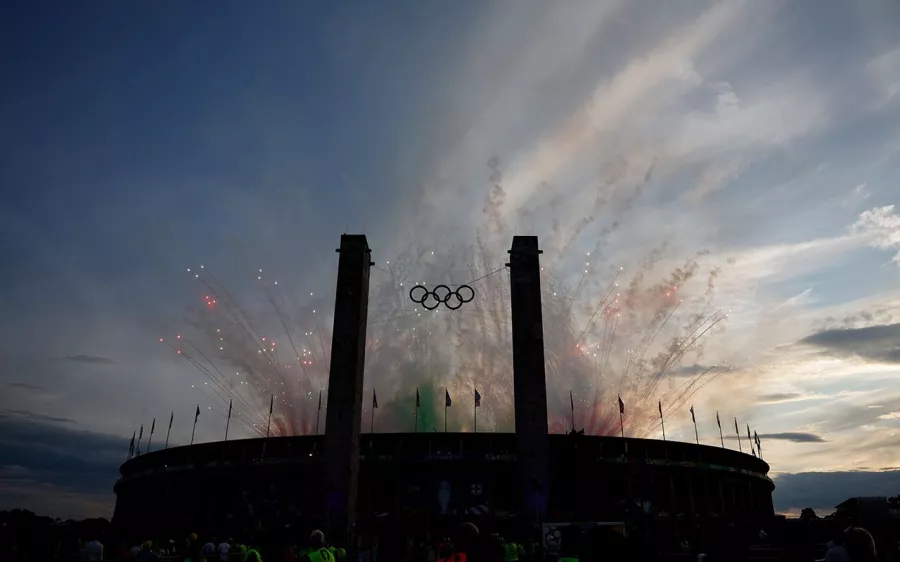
(441, 294)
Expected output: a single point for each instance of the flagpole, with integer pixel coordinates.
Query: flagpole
(318, 409)
(662, 420)
(475, 412)
(374, 405)
(194, 430)
(140, 436)
(152, 429)
(171, 418)
(750, 439)
(572, 408)
(738, 432)
(622, 417)
(719, 423)
(269, 422)
(228, 421)
(696, 435)
(416, 426)
(446, 394)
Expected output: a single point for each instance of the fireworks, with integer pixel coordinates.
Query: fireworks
(609, 330)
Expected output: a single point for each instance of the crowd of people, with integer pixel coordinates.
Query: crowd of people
(32, 538)
(196, 549)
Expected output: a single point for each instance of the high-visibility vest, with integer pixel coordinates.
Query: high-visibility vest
(512, 552)
(320, 555)
(338, 553)
(455, 557)
(252, 555)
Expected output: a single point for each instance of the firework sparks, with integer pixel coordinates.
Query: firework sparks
(609, 331)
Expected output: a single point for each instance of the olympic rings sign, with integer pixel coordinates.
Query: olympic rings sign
(441, 294)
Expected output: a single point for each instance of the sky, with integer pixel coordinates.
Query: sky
(754, 144)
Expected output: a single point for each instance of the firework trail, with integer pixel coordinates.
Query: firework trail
(609, 330)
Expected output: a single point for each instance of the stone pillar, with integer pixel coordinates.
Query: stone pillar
(529, 381)
(340, 470)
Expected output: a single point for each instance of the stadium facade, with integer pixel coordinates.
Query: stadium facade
(428, 481)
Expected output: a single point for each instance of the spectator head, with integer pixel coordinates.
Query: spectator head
(859, 545)
(466, 536)
(317, 539)
(147, 545)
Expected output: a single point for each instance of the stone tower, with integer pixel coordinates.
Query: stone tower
(340, 471)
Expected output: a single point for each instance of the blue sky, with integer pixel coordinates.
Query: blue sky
(141, 140)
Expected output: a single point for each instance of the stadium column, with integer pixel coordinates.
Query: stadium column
(340, 472)
(529, 380)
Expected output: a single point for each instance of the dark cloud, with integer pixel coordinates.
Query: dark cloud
(27, 386)
(30, 416)
(824, 490)
(878, 315)
(874, 343)
(41, 463)
(795, 437)
(690, 370)
(780, 397)
(92, 359)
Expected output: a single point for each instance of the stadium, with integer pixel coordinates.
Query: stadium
(427, 481)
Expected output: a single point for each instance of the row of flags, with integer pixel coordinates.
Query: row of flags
(134, 449)
(753, 439)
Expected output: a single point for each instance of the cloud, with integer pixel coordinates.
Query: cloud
(859, 194)
(57, 471)
(91, 359)
(691, 370)
(666, 70)
(31, 416)
(881, 226)
(890, 416)
(794, 437)
(778, 397)
(879, 343)
(26, 386)
(713, 178)
(884, 70)
(824, 490)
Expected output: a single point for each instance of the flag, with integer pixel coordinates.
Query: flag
(320, 400)
(131, 447)
(197, 415)
(660, 409)
(571, 400)
(153, 426)
(718, 421)
(271, 404)
(171, 419)
(141, 434)
(749, 438)
(736, 429)
(621, 406)
(229, 409)
(418, 403)
(477, 399)
(693, 418)
(756, 438)
(374, 399)
(447, 401)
